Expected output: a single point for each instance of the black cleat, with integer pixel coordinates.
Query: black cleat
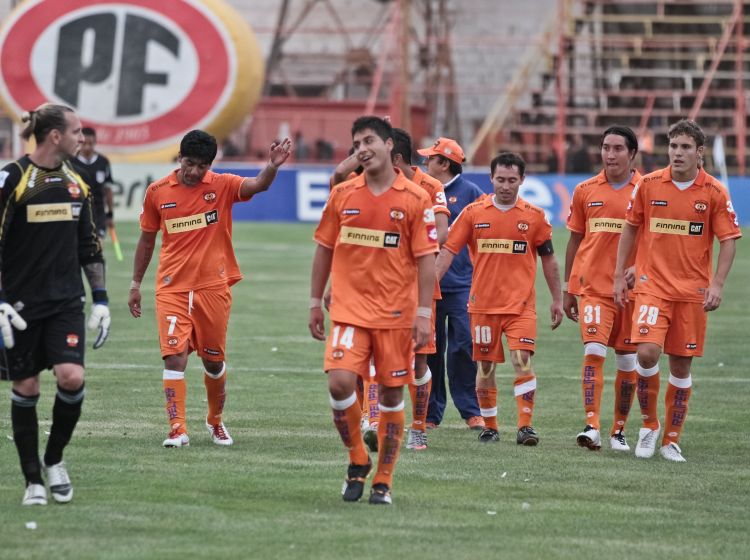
(380, 495)
(488, 435)
(354, 485)
(527, 436)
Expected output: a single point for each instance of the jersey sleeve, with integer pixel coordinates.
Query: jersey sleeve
(329, 226)
(724, 220)
(423, 231)
(89, 247)
(233, 183)
(439, 203)
(576, 217)
(635, 212)
(150, 214)
(543, 231)
(459, 233)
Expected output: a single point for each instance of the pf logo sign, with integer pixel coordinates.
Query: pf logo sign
(142, 73)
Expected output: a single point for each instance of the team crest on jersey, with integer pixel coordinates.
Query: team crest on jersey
(209, 196)
(172, 341)
(523, 226)
(591, 330)
(452, 199)
(595, 203)
(484, 350)
(74, 190)
(337, 354)
(72, 340)
(700, 206)
(643, 330)
(397, 214)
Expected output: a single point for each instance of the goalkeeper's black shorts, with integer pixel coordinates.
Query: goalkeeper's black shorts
(57, 338)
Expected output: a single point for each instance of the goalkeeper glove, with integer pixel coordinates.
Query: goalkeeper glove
(9, 318)
(100, 318)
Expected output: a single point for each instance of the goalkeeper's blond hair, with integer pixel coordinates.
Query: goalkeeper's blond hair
(44, 119)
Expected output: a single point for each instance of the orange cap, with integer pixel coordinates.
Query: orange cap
(444, 147)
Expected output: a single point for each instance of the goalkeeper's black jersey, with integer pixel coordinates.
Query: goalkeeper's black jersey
(46, 233)
(96, 173)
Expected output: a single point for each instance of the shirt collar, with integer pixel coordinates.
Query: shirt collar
(666, 176)
(208, 178)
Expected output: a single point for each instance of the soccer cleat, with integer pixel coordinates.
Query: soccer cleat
(35, 495)
(59, 482)
(354, 485)
(370, 435)
(589, 438)
(618, 442)
(488, 435)
(647, 442)
(380, 495)
(475, 423)
(417, 439)
(177, 439)
(672, 452)
(527, 436)
(219, 434)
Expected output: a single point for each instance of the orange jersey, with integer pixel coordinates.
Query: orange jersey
(598, 212)
(503, 249)
(376, 241)
(349, 177)
(196, 226)
(677, 230)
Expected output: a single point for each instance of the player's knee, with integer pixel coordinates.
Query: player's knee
(341, 384)
(391, 396)
(486, 369)
(213, 367)
(27, 387)
(175, 362)
(69, 376)
(521, 360)
(648, 355)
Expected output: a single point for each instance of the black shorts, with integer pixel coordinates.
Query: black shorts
(58, 338)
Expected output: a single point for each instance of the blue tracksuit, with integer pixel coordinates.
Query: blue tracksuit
(452, 315)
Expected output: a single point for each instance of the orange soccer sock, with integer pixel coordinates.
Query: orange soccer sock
(390, 434)
(676, 400)
(346, 418)
(215, 394)
(625, 383)
(487, 398)
(648, 392)
(524, 388)
(592, 382)
(175, 391)
(420, 399)
(371, 405)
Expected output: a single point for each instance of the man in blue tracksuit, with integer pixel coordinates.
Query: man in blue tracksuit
(444, 161)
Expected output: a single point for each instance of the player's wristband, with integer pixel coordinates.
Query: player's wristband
(425, 312)
(100, 297)
(564, 286)
(316, 302)
(109, 215)
(135, 285)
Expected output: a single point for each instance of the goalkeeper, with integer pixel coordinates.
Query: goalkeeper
(47, 236)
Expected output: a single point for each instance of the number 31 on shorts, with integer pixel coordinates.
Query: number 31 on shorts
(648, 314)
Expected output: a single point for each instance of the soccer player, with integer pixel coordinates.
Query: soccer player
(597, 216)
(377, 238)
(444, 163)
(677, 211)
(192, 207)
(505, 234)
(95, 170)
(47, 236)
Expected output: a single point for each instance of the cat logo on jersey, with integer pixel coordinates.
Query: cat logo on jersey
(523, 226)
(369, 237)
(209, 196)
(397, 214)
(700, 206)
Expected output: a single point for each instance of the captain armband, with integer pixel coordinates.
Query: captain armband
(545, 249)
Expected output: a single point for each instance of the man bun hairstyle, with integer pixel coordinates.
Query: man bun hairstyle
(43, 120)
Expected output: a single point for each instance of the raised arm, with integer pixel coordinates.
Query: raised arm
(278, 154)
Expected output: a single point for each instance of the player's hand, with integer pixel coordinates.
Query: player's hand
(556, 314)
(134, 302)
(280, 152)
(421, 332)
(713, 298)
(327, 299)
(10, 319)
(101, 320)
(570, 306)
(630, 277)
(621, 290)
(317, 324)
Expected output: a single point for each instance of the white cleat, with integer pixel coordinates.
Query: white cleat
(647, 442)
(672, 452)
(176, 439)
(618, 442)
(589, 438)
(35, 495)
(219, 434)
(59, 482)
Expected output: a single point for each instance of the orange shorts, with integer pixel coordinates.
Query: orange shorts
(431, 346)
(603, 321)
(679, 327)
(198, 319)
(350, 348)
(520, 332)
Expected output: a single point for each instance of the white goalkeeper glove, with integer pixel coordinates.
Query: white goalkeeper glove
(99, 318)
(9, 318)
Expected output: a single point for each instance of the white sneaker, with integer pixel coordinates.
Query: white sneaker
(35, 495)
(647, 442)
(417, 439)
(618, 442)
(219, 434)
(59, 482)
(176, 439)
(590, 438)
(672, 452)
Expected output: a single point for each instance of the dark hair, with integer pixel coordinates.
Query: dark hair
(508, 159)
(379, 126)
(454, 168)
(631, 140)
(402, 145)
(88, 131)
(43, 120)
(199, 145)
(690, 128)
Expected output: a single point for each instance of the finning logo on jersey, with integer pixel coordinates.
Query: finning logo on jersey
(209, 196)
(506, 246)
(190, 223)
(700, 206)
(676, 227)
(397, 214)
(607, 225)
(369, 237)
(57, 212)
(659, 203)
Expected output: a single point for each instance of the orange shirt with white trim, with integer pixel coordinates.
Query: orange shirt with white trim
(196, 226)
(503, 249)
(677, 228)
(597, 211)
(436, 192)
(376, 241)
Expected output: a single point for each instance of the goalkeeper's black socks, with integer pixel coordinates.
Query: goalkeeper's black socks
(26, 435)
(65, 414)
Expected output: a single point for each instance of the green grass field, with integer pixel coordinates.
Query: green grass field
(275, 493)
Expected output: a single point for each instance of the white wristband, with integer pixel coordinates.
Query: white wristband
(564, 286)
(316, 302)
(135, 285)
(425, 312)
